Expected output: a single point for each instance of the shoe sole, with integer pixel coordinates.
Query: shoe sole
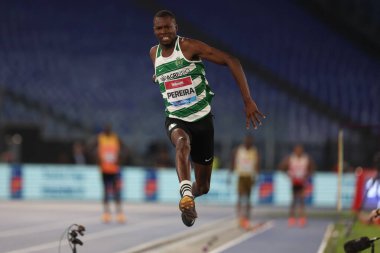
(186, 203)
(187, 207)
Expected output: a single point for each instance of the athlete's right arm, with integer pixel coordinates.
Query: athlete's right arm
(152, 53)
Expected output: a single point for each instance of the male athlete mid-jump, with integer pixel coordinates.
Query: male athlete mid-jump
(180, 74)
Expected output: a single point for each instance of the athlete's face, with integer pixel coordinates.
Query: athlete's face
(165, 29)
(248, 141)
(298, 150)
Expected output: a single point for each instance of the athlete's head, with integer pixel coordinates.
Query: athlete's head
(165, 27)
(107, 129)
(248, 141)
(298, 150)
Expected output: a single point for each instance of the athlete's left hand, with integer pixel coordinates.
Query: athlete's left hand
(252, 114)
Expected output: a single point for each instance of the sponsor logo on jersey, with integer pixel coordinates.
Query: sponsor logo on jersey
(174, 75)
(178, 62)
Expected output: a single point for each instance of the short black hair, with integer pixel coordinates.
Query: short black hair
(164, 13)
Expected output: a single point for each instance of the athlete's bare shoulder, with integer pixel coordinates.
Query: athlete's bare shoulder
(152, 53)
(191, 48)
(187, 43)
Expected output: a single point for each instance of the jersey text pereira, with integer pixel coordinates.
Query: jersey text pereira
(180, 93)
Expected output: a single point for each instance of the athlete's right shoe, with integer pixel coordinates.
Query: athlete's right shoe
(302, 222)
(187, 207)
(120, 217)
(244, 223)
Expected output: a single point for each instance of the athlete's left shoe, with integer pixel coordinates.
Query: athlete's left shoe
(120, 217)
(187, 207)
(302, 222)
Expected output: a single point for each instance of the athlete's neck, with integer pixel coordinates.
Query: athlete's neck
(169, 47)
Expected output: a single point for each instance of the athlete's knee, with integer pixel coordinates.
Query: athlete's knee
(182, 144)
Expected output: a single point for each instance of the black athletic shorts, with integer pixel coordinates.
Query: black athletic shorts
(201, 135)
(297, 188)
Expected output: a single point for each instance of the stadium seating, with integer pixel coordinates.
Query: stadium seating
(90, 62)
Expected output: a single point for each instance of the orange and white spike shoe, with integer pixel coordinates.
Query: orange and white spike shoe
(120, 217)
(106, 217)
(302, 222)
(291, 222)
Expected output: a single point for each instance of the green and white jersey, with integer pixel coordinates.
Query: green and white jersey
(183, 85)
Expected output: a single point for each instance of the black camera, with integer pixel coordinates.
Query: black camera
(357, 245)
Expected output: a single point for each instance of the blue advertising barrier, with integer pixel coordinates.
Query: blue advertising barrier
(33, 181)
(5, 175)
(16, 181)
(308, 192)
(151, 185)
(266, 188)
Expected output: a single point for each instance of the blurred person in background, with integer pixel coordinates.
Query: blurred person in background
(217, 162)
(108, 149)
(78, 153)
(246, 164)
(180, 75)
(374, 215)
(299, 166)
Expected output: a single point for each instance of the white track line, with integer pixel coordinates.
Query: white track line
(160, 241)
(44, 227)
(98, 235)
(268, 225)
(326, 237)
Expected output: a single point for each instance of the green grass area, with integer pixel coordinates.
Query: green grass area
(340, 235)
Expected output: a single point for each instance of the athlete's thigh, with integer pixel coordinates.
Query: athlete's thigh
(177, 129)
(107, 179)
(177, 134)
(245, 186)
(202, 143)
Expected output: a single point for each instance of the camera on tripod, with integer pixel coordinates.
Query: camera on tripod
(72, 233)
(357, 245)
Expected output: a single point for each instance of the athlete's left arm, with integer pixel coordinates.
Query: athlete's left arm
(122, 152)
(199, 49)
